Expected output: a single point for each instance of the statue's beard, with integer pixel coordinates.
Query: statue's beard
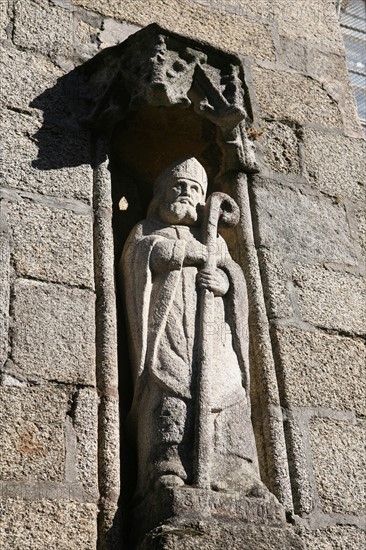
(178, 213)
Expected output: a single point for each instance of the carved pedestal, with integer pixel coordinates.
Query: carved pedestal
(192, 518)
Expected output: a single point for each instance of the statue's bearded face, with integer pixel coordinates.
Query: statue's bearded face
(181, 202)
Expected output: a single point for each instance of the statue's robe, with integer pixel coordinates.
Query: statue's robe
(161, 297)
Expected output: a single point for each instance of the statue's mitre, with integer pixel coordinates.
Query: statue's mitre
(188, 168)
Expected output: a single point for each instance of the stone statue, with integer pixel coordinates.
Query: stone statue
(187, 311)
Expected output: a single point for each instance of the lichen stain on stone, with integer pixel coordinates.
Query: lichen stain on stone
(28, 444)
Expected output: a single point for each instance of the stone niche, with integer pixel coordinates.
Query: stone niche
(158, 97)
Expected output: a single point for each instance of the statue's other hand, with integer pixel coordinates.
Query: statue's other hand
(214, 280)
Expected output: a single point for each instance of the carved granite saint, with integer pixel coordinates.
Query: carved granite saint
(166, 274)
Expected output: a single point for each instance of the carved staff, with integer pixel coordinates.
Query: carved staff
(219, 209)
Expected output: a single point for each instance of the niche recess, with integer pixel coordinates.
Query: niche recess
(159, 96)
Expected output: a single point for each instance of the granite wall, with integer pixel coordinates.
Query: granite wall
(59, 462)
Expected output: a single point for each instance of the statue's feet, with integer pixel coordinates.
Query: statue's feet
(247, 485)
(169, 481)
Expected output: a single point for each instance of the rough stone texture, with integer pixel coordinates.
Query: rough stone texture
(53, 333)
(32, 433)
(281, 149)
(339, 462)
(336, 164)
(294, 96)
(302, 226)
(331, 299)
(322, 370)
(86, 429)
(19, 151)
(24, 76)
(316, 21)
(47, 524)
(43, 27)
(113, 32)
(206, 536)
(227, 31)
(51, 243)
(85, 39)
(4, 19)
(335, 538)
(361, 225)
(4, 284)
(276, 277)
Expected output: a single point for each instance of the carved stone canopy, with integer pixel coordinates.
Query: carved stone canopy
(155, 69)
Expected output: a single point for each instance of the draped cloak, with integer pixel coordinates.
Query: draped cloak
(162, 314)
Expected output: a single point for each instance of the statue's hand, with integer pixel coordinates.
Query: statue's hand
(214, 280)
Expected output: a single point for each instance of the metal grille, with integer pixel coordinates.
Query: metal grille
(353, 24)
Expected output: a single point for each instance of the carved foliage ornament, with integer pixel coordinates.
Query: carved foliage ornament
(157, 68)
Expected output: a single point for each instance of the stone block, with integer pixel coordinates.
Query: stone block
(32, 433)
(19, 151)
(85, 40)
(361, 226)
(331, 299)
(336, 164)
(113, 32)
(339, 463)
(53, 333)
(86, 431)
(52, 243)
(211, 535)
(321, 370)
(227, 31)
(277, 284)
(24, 76)
(4, 284)
(4, 19)
(40, 25)
(49, 524)
(280, 148)
(302, 227)
(342, 537)
(284, 95)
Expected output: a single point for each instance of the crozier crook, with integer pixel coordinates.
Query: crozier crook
(220, 209)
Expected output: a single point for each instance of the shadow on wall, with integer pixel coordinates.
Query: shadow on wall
(66, 140)
(62, 140)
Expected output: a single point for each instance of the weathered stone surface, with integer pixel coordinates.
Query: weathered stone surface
(113, 32)
(85, 39)
(52, 243)
(19, 151)
(44, 27)
(54, 333)
(337, 537)
(276, 277)
(4, 283)
(86, 430)
(4, 19)
(211, 535)
(280, 148)
(326, 66)
(24, 76)
(302, 227)
(338, 450)
(32, 433)
(336, 164)
(50, 524)
(361, 225)
(322, 370)
(168, 265)
(331, 299)
(227, 31)
(294, 96)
